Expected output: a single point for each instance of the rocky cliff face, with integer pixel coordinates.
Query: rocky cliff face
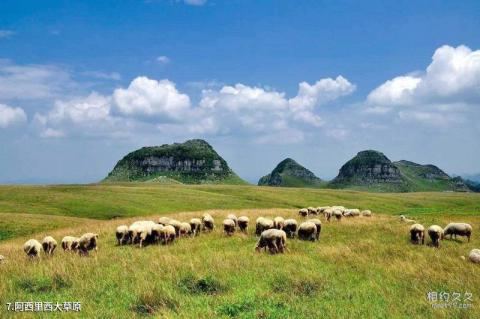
(194, 161)
(369, 168)
(289, 173)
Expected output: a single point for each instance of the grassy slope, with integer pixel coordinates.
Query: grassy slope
(361, 268)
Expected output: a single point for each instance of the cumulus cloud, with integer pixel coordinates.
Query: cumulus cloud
(11, 116)
(442, 94)
(145, 97)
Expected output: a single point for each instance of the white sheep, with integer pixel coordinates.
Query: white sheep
(307, 231)
(436, 234)
(177, 225)
(243, 223)
(274, 239)
(303, 212)
(185, 230)
(164, 221)
(312, 210)
(351, 212)
(328, 213)
(366, 213)
(278, 222)
(417, 234)
(49, 244)
(196, 225)
(318, 225)
(234, 218)
(141, 232)
(87, 242)
(169, 234)
(208, 223)
(321, 210)
(263, 224)
(290, 227)
(229, 226)
(474, 256)
(122, 235)
(157, 231)
(338, 214)
(32, 248)
(406, 220)
(70, 243)
(460, 229)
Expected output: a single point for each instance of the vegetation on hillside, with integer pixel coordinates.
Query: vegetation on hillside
(288, 173)
(192, 162)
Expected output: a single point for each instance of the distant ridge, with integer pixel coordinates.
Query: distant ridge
(288, 173)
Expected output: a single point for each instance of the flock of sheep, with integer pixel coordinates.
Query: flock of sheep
(437, 233)
(273, 233)
(82, 244)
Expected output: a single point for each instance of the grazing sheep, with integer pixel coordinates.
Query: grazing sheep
(229, 226)
(328, 213)
(141, 232)
(70, 243)
(122, 235)
(436, 234)
(49, 245)
(474, 256)
(290, 227)
(32, 248)
(87, 242)
(274, 239)
(406, 220)
(168, 234)
(312, 211)
(278, 222)
(243, 223)
(321, 210)
(164, 221)
(157, 231)
(337, 213)
(196, 225)
(460, 229)
(263, 224)
(366, 213)
(307, 231)
(417, 234)
(303, 212)
(351, 212)
(318, 225)
(208, 223)
(177, 225)
(234, 218)
(340, 208)
(185, 230)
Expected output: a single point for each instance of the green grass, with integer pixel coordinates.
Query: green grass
(360, 268)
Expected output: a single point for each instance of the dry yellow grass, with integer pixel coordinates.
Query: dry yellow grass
(361, 267)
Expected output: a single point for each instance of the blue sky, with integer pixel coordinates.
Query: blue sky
(84, 82)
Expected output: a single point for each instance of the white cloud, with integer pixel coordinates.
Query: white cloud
(32, 82)
(163, 59)
(103, 75)
(324, 90)
(195, 2)
(51, 133)
(94, 107)
(443, 94)
(11, 116)
(145, 97)
(4, 34)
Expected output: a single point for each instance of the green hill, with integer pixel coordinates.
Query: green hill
(192, 162)
(372, 170)
(288, 173)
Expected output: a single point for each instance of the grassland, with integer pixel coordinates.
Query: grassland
(361, 268)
